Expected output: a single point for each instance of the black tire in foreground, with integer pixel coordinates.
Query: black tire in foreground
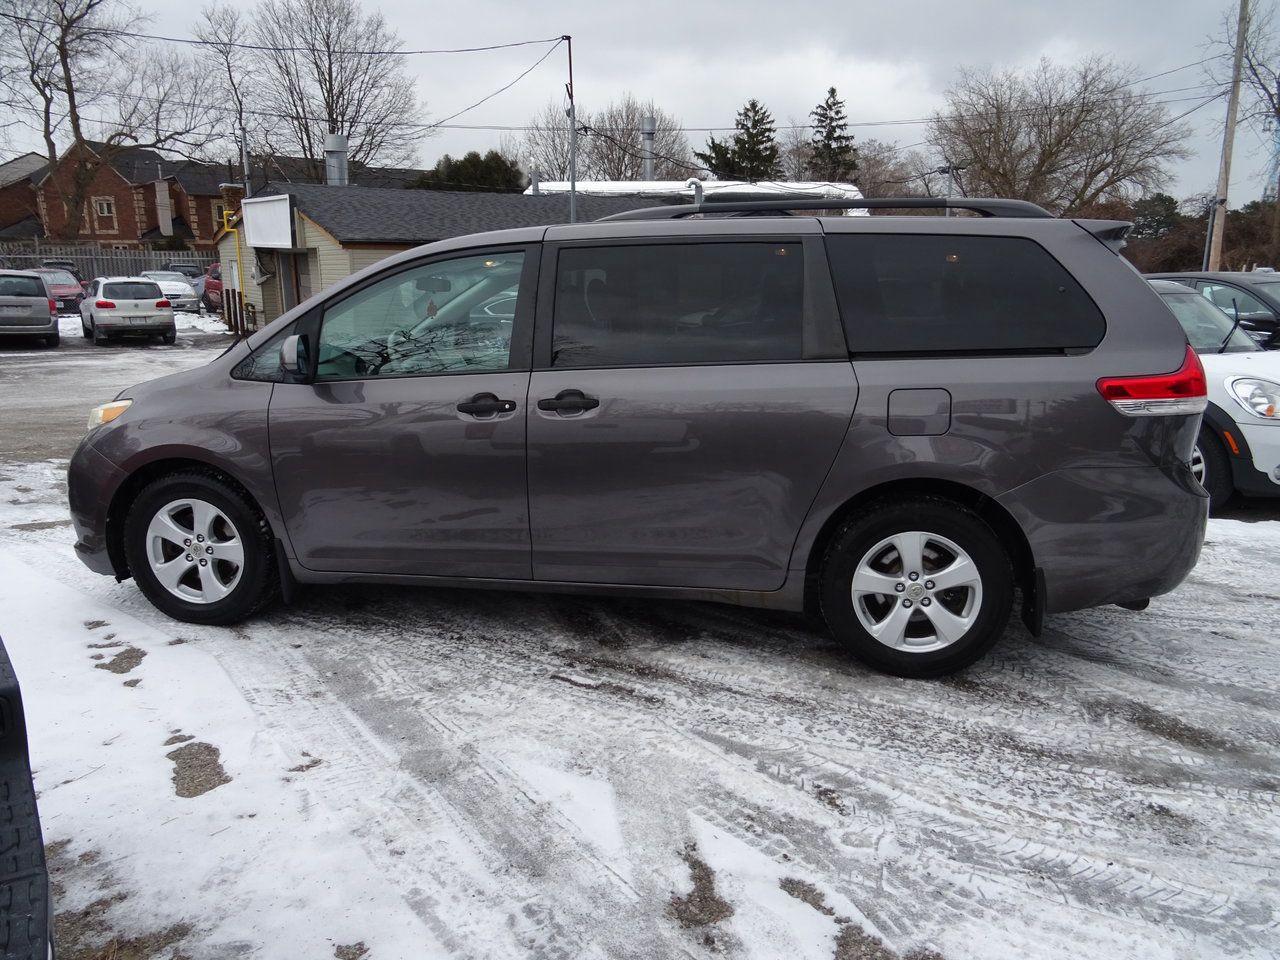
(917, 587)
(53, 339)
(1217, 470)
(200, 549)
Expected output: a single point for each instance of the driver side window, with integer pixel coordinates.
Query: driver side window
(449, 316)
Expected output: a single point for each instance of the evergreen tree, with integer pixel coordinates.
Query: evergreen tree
(834, 157)
(472, 172)
(752, 154)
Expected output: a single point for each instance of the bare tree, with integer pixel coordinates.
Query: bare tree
(326, 66)
(887, 170)
(225, 31)
(76, 72)
(795, 151)
(614, 147)
(1063, 137)
(609, 143)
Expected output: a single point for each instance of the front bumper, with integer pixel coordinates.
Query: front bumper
(186, 305)
(92, 481)
(1263, 441)
(1111, 534)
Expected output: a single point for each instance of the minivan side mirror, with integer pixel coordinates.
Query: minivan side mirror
(293, 356)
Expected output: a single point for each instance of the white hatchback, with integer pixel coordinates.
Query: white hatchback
(1239, 447)
(115, 306)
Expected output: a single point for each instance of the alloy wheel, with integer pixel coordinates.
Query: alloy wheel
(1198, 468)
(195, 551)
(916, 592)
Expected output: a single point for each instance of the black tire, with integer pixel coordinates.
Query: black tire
(169, 338)
(259, 582)
(1217, 470)
(53, 339)
(860, 535)
(99, 338)
(84, 328)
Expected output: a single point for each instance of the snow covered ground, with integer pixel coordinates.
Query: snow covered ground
(399, 773)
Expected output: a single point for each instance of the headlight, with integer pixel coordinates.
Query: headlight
(107, 412)
(1259, 397)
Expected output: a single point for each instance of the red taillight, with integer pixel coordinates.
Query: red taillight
(1167, 394)
(53, 307)
(163, 303)
(105, 305)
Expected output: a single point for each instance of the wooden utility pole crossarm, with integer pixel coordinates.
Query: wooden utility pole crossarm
(1219, 215)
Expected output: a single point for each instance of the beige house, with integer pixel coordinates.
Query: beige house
(339, 230)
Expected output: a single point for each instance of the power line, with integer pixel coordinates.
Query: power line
(501, 89)
(269, 48)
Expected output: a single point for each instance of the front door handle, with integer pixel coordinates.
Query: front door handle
(568, 401)
(483, 404)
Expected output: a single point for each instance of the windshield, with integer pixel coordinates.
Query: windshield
(1206, 326)
(131, 290)
(60, 276)
(167, 276)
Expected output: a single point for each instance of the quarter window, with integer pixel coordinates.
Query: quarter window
(679, 303)
(958, 294)
(453, 316)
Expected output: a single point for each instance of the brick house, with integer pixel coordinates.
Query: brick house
(137, 199)
(19, 208)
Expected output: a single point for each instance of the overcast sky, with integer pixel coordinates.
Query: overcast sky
(889, 60)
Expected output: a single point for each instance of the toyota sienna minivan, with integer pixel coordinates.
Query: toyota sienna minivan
(899, 423)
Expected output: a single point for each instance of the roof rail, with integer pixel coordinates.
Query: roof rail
(986, 208)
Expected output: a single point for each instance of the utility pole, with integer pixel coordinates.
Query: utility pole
(1219, 223)
(648, 131)
(573, 139)
(244, 161)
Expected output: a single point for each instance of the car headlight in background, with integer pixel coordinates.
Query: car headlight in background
(1259, 397)
(107, 412)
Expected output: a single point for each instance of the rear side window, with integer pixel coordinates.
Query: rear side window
(678, 303)
(60, 276)
(11, 286)
(958, 294)
(131, 290)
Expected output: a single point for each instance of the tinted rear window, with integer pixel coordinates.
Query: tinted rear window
(951, 294)
(678, 304)
(131, 290)
(11, 286)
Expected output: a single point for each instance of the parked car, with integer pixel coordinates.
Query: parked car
(191, 271)
(68, 265)
(26, 309)
(897, 422)
(1239, 445)
(26, 906)
(1255, 295)
(126, 306)
(63, 287)
(210, 288)
(176, 289)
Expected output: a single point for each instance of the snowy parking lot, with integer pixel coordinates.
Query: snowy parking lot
(395, 773)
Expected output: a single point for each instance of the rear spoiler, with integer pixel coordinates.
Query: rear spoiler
(1109, 232)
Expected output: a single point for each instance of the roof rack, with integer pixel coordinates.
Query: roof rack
(986, 208)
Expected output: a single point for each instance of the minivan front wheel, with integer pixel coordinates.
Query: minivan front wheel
(917, 588)
(200, 550)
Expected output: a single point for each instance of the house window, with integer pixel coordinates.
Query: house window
(104, 214)
(218, 210)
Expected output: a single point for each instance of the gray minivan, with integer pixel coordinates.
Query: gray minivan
(26, 310)
(903, 423)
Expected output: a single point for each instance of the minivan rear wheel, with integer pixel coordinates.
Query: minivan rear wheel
(917, 588)
(1212, 469)
(200, 550)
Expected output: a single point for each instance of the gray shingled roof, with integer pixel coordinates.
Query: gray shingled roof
(374, 215)
(28, 166)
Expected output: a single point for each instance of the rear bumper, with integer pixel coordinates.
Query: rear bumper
(29, 329)
(1108, 535)
(158, 325)
(92, 481)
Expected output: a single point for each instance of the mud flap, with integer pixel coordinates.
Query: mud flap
(26, 913)
(288, 585)
(1033, 595)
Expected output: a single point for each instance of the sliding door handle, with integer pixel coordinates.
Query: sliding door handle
(568, 401)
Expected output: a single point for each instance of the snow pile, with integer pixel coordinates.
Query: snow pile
(70, 324)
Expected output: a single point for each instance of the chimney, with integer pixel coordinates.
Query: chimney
(534, 185)
(335, 159)
(164, 209)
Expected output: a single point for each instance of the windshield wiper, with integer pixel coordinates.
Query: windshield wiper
(1222, 348)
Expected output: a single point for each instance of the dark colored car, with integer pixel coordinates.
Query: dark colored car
(190, 270)
(64, 289)
(26, 309)
(898, 422)
(68, 265)
(26, 909)
(1253, 296)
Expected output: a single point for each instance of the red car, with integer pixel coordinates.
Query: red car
(210, 288)
(63, 288)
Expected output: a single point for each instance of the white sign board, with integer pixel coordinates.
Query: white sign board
(268, 222)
